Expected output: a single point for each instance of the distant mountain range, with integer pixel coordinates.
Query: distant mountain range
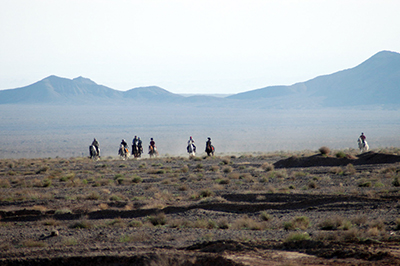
(376, 81)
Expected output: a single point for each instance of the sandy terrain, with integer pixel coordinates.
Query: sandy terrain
(264, 209)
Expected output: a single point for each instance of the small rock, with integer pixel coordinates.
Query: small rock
(55, 233)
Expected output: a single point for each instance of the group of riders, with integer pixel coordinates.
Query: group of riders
(137, 148)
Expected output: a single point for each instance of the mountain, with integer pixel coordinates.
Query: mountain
(58, 90)
(376, 81)
(152, 93)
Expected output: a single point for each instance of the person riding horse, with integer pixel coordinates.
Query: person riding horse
(152, 144)
(209, 147)
(96, 144)
(363, 138)
(123, 142)
(191, 142)
(139, 143)
(134, 144)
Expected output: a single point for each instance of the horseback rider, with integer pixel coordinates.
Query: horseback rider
(134, 143)
(363, 138)
(96, 144)
(152, 144)
(208, 144)
(139, 145)
(123, 142)
(191, 142)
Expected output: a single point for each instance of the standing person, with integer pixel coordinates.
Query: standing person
(363, 138)
(96, 144)
(191, 142)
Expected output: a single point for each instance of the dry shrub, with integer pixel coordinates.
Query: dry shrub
(93, 196)
(158, 219)
(324, 236)
(227, 169)
(247, 223)
(336, 223)
(324, 150)
(350, 170)
(351, 235)
(103, 206)
(267, 167)
(183, 187)
(50, 222)
(378, 224)
(206, 224)
(180, 223)
(226, 160)
(206, 193)
(223, 223)
(359, 220)
(138, 237)
(337, 170)
(301, 222)
(312, 184)
(295, 237)
(185, 169)
(33, 243)
(214, 168)
(265, 216)
(69, 242)
(117, 222)
(83, 224)
(135, 223)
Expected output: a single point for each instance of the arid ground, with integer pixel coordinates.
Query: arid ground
(308, 208)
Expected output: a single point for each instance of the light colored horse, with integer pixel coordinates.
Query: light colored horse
(362, 146)
(191, 150)
(153, 151)
(93, 153)
(123, 152)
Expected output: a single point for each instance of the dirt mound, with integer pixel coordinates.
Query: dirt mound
(323, 160)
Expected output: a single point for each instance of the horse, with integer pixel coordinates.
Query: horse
(210, 150)
(191, 150)
(153, 151)
(136, 151)
(93, 154)
(363, 146)
(123, 152)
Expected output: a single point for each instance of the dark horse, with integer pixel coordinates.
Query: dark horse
(93, 152)
(210, 150)
(136, 151)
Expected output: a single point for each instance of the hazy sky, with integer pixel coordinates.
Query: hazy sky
(186, 46)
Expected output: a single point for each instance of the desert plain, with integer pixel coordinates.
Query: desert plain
(301, 208)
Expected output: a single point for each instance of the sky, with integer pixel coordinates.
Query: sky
(185, 46)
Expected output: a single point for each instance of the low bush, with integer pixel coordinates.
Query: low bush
(295, 237)
(324, 150)
(159, 219)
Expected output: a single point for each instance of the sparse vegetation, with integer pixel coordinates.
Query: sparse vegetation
(174, 201)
